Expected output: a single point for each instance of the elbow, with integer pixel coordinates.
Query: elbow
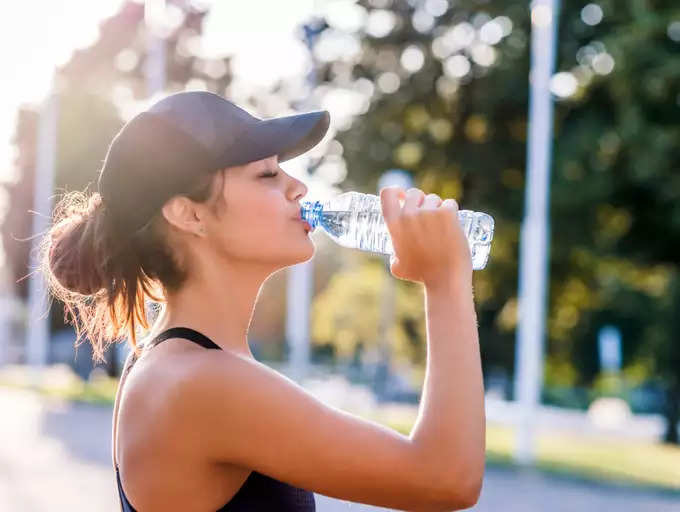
(467, 489)
(459, 488)
(469, 496)
(465, 497)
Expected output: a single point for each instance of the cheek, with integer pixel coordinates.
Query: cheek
(258, 225)
(268, 215)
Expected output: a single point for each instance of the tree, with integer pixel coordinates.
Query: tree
(447, 99)
(98, 89)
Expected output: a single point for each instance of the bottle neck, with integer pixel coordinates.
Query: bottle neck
(311, 212)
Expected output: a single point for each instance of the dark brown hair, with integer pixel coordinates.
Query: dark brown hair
(104, 277)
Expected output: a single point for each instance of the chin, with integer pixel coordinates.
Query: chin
(305, 253)
(309, 254)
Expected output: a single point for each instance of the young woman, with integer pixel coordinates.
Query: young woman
(194, 212)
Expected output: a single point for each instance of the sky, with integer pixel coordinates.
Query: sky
(262, 39)
(37, 35)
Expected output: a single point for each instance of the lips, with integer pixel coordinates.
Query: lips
(298, 217)
(304, 222)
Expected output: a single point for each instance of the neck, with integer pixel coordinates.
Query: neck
(220, 304)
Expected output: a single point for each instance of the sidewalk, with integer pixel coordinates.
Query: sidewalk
(56, 456)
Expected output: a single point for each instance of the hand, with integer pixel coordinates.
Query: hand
(429, 243)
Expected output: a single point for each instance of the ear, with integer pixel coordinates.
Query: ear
(185, 215)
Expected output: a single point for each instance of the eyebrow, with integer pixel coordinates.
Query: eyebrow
(274, 161)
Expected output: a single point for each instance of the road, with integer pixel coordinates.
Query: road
(56, 456)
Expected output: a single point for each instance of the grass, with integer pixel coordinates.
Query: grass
(59, 381)
(603, 459)
(613, 460)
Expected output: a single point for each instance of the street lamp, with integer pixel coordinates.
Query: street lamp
(534, 242)
(300, 277)
(38, 329)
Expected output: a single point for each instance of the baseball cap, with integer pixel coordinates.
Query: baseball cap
(163, 150)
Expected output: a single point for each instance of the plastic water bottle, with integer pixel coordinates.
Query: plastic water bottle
(355, 220)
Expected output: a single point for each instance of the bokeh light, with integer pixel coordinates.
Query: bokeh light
(564, 84)
(380, 22)
(412, 58)
(457, 66)
(389, 82)
(592, 14)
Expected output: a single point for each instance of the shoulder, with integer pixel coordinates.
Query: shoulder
(215, 375)
(203, 394)
(194, 379)
(163, 379)
(166, 388)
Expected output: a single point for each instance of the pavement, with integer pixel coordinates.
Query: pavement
(55, 455)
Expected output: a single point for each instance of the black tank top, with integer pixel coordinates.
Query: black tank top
(259, 492)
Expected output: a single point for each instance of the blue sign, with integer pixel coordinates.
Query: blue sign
(609, 347)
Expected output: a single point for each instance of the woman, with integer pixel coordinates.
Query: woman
(194, 212)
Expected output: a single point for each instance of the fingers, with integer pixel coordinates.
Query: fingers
(389, 202)
(431, 202)
(450, 203)
(414, 199)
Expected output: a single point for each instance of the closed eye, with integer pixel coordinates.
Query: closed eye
(269, 175)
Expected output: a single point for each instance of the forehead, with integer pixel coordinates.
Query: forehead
(264, 163)
(253, 167)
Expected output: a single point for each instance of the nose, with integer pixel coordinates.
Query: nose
(297, 189)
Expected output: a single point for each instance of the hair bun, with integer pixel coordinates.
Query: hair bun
(75, 245)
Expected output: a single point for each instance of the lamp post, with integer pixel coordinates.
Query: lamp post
(534, 241)
(6, 309)
(38, 329)
(301, 276)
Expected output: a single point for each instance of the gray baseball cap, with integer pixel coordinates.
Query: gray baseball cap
(162, 151)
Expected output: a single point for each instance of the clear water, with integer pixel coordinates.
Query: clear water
(355, 220)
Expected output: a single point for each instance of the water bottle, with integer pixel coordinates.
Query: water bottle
(355, 220)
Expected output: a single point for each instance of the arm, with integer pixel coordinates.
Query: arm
(450, 428)
(233, 410)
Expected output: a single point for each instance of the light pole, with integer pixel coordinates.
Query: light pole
(534, 243)
(7, 304)
(38, 329)
(301, 276)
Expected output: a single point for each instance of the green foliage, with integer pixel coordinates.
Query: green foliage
(347, 314)
(615, 191)
(80, 151)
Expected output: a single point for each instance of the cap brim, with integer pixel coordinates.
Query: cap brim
(286, 137)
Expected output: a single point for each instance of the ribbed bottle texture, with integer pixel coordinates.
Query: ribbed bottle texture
(355, 220)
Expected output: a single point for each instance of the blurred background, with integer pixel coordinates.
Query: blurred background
(560, 120)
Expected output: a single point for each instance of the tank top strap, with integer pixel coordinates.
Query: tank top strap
(184, 333)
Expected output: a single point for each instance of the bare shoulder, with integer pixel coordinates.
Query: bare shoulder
(239, 411)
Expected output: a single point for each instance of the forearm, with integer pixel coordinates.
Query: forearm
(450, 428)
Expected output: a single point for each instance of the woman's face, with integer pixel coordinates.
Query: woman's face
(258, 219)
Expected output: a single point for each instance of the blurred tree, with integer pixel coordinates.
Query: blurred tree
(443, 93)
(439, 113)
(100, 88)
(618, 146)
(346, 314)
(16, 224)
